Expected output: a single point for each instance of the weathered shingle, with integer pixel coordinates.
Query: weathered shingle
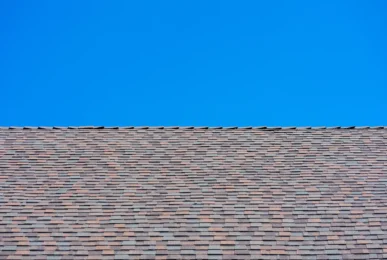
(193, 193)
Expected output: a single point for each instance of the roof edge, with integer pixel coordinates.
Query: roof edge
(193, 127)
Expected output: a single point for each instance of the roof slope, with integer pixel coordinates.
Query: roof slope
(193, 193)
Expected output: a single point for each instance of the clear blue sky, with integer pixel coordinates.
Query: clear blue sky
(228, 63)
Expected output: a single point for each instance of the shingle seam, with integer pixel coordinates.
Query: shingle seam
(269, 128)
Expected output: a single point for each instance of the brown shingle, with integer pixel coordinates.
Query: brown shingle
(175, 193)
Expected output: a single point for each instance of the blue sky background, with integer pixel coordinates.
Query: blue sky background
(243, 63)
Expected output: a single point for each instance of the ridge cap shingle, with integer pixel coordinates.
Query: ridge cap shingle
(196, 127)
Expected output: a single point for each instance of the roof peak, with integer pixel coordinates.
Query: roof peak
(193, 127)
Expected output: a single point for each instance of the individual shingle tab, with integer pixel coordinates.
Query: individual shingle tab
(193, 193)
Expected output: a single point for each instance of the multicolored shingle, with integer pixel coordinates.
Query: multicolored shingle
(193, 193)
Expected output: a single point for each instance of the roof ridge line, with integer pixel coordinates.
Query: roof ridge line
(196, 127)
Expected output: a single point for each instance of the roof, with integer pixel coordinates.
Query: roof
(193, 193)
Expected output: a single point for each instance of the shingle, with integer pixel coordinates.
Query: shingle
(193, 192)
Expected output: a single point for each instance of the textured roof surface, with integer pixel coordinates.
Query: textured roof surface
(183, 193)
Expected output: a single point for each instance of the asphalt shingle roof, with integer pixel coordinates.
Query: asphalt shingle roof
(193, 193)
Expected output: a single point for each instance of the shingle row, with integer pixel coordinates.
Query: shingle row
(192, 127)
